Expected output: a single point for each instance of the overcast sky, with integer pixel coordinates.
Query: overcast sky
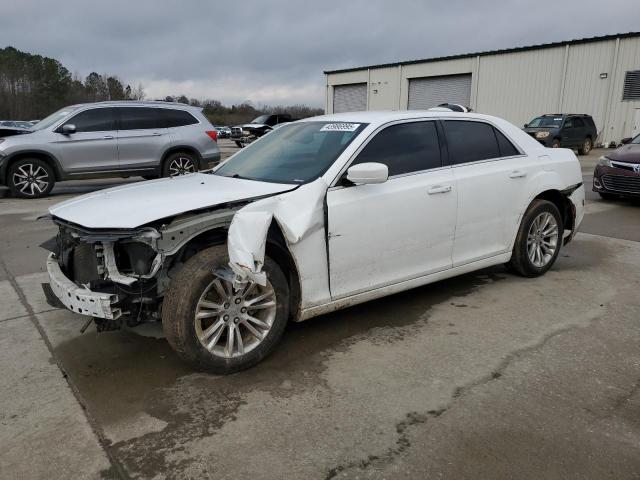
(275, 51)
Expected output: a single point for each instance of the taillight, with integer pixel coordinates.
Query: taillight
(213, 134)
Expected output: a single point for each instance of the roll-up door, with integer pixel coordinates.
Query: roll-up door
(350, 98)
(430, 92)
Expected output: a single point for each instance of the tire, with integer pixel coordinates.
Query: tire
(555, 143)
(587, 145)
(239, 144)
(195, 285)
(179, 163)
(521, 260)
(30, 178)
(608, 196)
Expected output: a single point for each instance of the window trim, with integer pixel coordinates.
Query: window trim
(515, 144)
(334, 183)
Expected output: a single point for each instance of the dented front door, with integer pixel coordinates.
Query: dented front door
(390, 232)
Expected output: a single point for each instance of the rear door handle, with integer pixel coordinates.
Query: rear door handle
(439, 189)
(156, 134)
(518, 174)
(108, 137)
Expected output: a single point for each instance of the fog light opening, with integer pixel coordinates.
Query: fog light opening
(596, 183)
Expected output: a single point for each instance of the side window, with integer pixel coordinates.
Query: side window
(139, 118)
(506, 147)
(404, 148)
(470, 141)
(175, 118)
(569, 123)
(578, 122)
(94, 120)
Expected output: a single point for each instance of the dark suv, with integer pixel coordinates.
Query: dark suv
(575, 131)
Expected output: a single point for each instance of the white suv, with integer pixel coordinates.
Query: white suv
(317, 215)
(108, 139)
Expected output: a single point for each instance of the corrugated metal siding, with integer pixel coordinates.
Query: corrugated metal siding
(622, 113)
(519, 86)
(349, 98)
(584, 90)
(429, 92)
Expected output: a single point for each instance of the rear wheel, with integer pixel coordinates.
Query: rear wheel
(213, 325)
(30, 178)
(538, 241)
(587, 145)
(179, 163)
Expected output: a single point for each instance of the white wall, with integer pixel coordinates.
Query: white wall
(521, 85)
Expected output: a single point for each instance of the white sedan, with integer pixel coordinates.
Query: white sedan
(318, 215)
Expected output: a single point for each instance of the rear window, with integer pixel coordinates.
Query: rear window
(470, 141)
(170, 118)
(139, 118)
(506, 147)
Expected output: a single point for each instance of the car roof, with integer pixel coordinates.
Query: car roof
(382, 117)
(137, 103)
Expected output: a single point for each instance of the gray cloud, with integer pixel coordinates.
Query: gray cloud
(275, 51)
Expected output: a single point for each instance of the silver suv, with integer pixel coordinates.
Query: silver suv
(108, 139)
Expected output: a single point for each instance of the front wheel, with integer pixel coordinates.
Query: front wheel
(217, 327)
(30, 178)
(538, 241)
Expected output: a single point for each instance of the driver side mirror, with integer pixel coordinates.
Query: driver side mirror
(626, 140)
(368, 173)
(68, 129)
(526, 125)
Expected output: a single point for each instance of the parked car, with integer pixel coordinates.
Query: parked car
(15, 124)
(617, 174)
(318, 215)
(564, 130)
(223, 132)
(108, 139)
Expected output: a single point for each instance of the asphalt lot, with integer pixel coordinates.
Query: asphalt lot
(487, 375)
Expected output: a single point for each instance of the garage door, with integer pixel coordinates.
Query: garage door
(350, 98)
(432, 91)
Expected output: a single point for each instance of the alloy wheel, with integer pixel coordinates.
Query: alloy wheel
(31, 179)
(181, 166)
(542, 239)
(586, 147)
(230, 323)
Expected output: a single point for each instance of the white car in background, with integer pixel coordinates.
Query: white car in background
(320, 214)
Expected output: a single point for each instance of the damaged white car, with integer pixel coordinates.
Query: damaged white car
(318, 215)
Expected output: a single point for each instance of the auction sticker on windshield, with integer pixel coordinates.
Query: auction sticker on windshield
(340, 127)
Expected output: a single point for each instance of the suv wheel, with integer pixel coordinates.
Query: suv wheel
(179, 163)
(538, 241)
(555, 143)
(30, 178)
(586, 147)
(214, 326)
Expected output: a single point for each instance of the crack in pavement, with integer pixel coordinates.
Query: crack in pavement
(117, 468)
(416, 418)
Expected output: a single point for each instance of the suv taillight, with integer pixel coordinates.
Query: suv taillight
(213, 134)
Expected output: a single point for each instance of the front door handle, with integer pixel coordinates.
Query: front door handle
(439, 189)
(518, 174)
(108, 137)
(156, 134)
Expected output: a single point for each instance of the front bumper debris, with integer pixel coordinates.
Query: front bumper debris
(80, 299)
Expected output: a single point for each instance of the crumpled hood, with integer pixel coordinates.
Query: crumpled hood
(137, 204)
(629, 153)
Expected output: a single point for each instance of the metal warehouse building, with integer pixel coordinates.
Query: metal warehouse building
(599, 76)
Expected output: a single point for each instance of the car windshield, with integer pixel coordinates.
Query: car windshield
(636, 140)
(296, 153)
(53, 118)
(260, 119)
(546, 122)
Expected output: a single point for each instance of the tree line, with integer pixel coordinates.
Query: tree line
(33, 86)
